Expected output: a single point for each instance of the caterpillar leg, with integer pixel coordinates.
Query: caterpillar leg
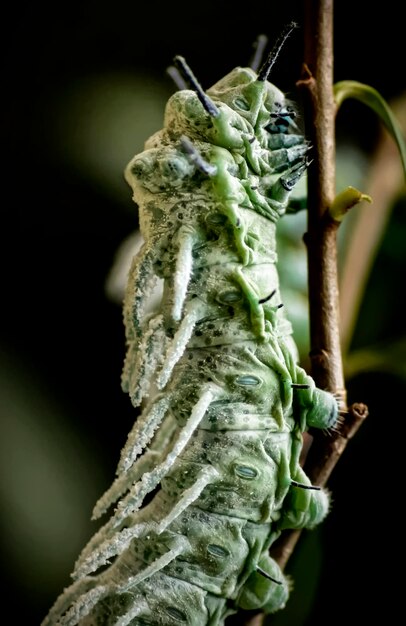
(319, 408)
(303, 507)
(266, 588)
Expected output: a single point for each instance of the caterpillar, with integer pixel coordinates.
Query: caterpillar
(209, 476)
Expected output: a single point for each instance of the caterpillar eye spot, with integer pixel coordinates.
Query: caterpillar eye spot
(216, 550)
(229, 296)
(216, 218)
(248, 381)
(176, 614)
(244, 471)
(242, 104)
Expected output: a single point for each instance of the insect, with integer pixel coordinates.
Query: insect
(210, 475)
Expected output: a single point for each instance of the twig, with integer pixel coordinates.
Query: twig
(319, 111)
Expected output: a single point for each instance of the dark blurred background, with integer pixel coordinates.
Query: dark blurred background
(84, 85)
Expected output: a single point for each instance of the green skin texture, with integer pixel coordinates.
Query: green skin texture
(221, 433)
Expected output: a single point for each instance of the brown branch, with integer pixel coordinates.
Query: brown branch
(321, 241)
(319, 112)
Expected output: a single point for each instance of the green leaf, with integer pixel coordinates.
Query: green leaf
(369, 96)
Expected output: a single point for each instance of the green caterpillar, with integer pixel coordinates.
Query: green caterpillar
(216, 447)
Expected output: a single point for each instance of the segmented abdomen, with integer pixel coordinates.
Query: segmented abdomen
(224, 401)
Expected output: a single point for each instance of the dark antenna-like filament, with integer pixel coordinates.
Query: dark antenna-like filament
(191, 79)
(195, 156)
(273, 55)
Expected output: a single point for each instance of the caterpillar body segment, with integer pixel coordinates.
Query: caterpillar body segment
(210, 474)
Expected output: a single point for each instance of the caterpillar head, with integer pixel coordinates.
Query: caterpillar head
(185, 115)
(246, 107)
(253, 99)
